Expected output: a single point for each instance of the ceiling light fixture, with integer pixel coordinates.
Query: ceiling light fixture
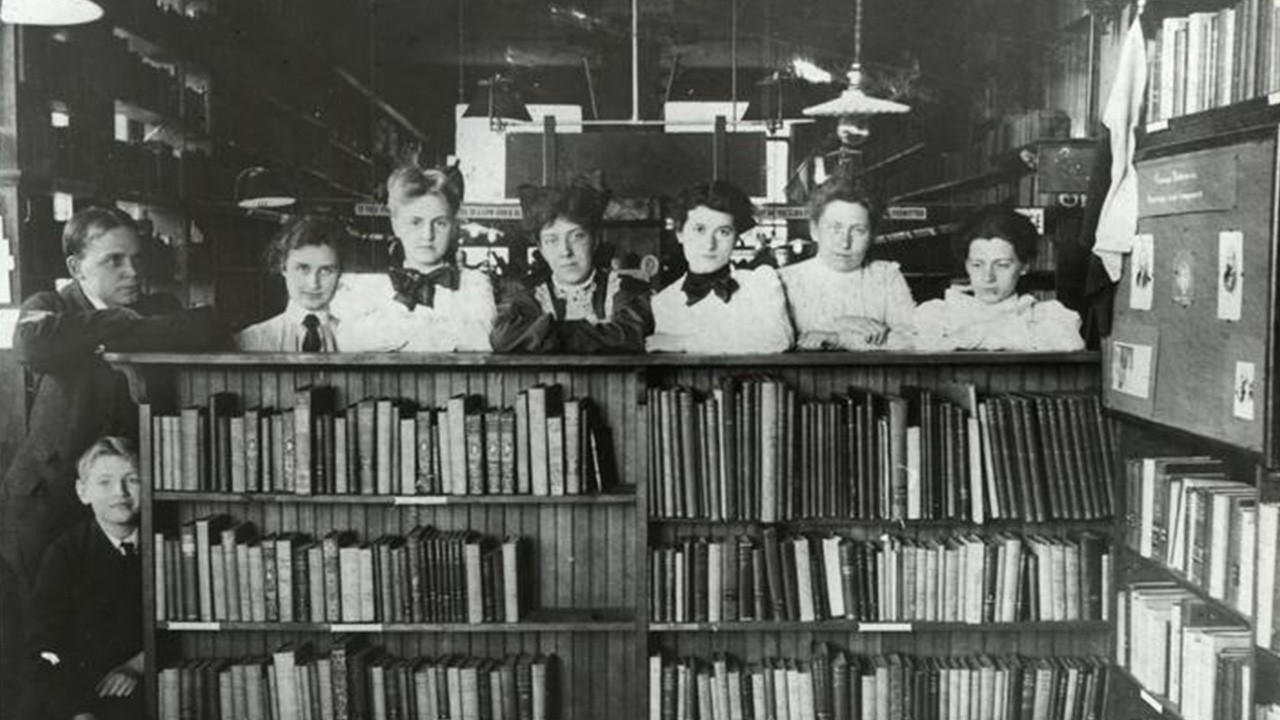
(257, 188)
(49, 12)
(854, 108)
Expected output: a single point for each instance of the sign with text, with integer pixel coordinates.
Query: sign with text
(1187, 184)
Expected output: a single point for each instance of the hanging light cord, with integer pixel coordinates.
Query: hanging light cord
(857, 34)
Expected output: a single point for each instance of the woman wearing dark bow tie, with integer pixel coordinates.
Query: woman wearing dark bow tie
(574, 304)
(715, 308)
(430, 304)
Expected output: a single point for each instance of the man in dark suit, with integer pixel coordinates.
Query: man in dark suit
(79, 398)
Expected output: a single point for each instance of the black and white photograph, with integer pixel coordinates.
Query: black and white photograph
(639, 360)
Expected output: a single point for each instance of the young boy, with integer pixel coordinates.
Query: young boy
(86, 618)
(715, 308)
(307, 252)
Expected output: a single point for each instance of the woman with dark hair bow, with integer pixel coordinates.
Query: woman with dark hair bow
(574, 304)
(431, 304)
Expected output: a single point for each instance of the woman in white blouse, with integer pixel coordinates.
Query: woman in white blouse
(715, 308)
(997, 246)
(839, 300)
(430, 303)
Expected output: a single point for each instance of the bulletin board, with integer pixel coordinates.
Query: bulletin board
(1192, 344)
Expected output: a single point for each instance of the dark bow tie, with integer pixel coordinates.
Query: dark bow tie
(698, 285)
(413, 288)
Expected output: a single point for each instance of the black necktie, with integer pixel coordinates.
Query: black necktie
(698, 285)
(413, 288)
(311, 341)
(128, 549)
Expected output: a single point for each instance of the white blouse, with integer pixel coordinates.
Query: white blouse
(819, 295)
(753, 321)
(961, 321)
(285, 332)
(374, 321)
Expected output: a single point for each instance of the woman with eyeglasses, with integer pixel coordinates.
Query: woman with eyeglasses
(840, 300)
(433, 304)
(574, 304)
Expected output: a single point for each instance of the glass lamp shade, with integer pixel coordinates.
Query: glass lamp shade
(852, 101)
(49, 12)
(258, 187)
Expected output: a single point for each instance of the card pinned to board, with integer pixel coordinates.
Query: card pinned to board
(1130, 363)
(1243, 364)
(1230, 274)
(1142, 272)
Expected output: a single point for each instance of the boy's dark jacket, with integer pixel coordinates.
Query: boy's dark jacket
(86, 611)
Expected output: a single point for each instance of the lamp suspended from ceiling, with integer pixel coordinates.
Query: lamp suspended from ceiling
(49, 12)
(496, 99)
(854, 107)
(257, 187)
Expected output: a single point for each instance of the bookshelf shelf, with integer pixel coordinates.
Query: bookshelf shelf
(805, 524)
(1157, 703)
(551, 620)
(1139, 566)
(887, 627)
(408, 500)
(488, 360)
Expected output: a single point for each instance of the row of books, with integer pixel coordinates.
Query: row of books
(965, 579)
(753, 449)
(220, 569)
(353, 681)
(1191, 517)
(835, 685)
(545, 445)
(1185, 649)
(1214, 58)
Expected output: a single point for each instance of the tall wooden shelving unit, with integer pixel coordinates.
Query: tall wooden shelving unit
(1188, 406)
(591, 602)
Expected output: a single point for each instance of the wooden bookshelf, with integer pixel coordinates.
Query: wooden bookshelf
(589, 554)
(1188, 408)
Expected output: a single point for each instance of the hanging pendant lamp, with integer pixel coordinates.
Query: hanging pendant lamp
(854, 107)
(49, 12)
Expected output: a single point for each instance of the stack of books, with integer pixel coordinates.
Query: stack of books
(353, 680)
(1189, 516)
(219, 569)
(753, 449)
(546, 444)
(964, 579)
(1213, 58)
(834, 684)
(1186, 649)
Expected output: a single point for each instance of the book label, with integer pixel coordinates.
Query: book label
(355, 627)
(193, 626)
(1230, 274)
(420, 500)
(1184, 184)
(884, 627)
(1157, 126)
(1273, 98)
(1142, 272)
(1150, 700)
